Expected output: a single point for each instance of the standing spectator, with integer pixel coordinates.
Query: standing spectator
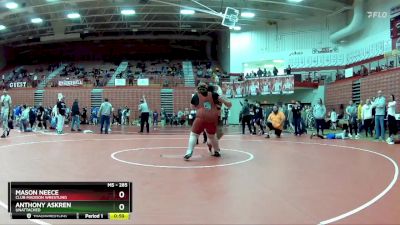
(275, 71)
(351, 112)
(319, 113)
(155, 119)
(392, 123)
(359, 119)
(288, 70)
(144, 114)
(379, 105)
(23, 122)
(225, 117)
(164, 117)
(296, 113)
(258, 119)
(95, 111)
(245, 116)
(5, 112)
(75, 114)
(275, 122)
(41, 117)
(61, 113)
(105, 113)
(32, 118)
(334, 118)
(84, 116)
(367, 117)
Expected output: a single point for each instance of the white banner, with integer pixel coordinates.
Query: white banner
(143, 82)
(120, 82)
(259, 86)
(69, 83)
(17, 84)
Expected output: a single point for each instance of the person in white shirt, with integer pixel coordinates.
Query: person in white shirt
(392, 123)
(104, 114)
(5, 112)
(367, 117)
(144, 115)
(334, 118)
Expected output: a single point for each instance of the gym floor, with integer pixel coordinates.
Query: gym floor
(291, 180)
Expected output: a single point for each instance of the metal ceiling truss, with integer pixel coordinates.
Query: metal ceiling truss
(103, 16)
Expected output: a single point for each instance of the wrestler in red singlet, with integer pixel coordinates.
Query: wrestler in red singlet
(206, 118)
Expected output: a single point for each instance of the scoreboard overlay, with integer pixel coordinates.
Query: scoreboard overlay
(70, 200)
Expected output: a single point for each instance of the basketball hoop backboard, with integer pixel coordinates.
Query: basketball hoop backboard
(231, 17)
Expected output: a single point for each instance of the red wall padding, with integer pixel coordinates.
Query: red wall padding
(118, 97)
(340, 92)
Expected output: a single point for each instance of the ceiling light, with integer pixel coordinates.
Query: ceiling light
(193, 30)
(295, 0)
(11, 5)
(237, 28)
(247, 14)
(278, 61)
(128, 12)
(187, 11)
(36, 20)
(2, 27)
(73, 15)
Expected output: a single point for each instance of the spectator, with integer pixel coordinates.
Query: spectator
(351, 112)
(296, 112)
(144, 114)
(104, 113)
(23, 122)
(61, 113)
(379, 105)
(155, 119)
(319, 113)
(392, 123)
(245, 116)
(275, 122)
(75, 114)
(334, 118)
(367, 117)
(288, 70)
(275, 71)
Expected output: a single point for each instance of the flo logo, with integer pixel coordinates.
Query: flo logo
(377, 14)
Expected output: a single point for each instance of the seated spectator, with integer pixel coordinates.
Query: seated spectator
(24, 120)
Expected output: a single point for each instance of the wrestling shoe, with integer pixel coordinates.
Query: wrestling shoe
(216, 154)
(312, 135)
(267, 136)
(3, 136)
(189, 154)
(8, 133)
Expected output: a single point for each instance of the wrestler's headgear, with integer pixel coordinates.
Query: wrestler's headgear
(202, 87)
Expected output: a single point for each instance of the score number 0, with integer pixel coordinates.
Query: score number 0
(121, 194)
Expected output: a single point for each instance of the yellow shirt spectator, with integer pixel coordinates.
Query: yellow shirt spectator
(359, 111)
(277, 120)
